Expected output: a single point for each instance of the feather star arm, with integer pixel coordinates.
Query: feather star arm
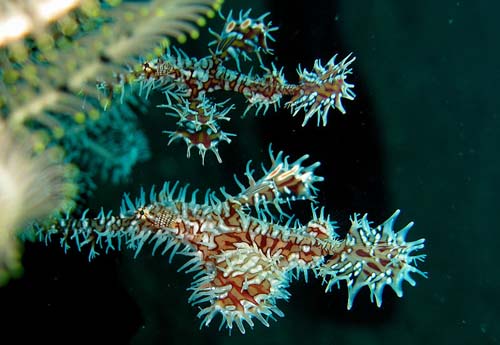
(245, 263)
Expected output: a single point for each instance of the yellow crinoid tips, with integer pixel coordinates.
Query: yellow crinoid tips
(68, 25)
(181, 38)
(165, 43)
(210, 14)
(217, 5)
(18, 52)
(113, 3)
(201, 21)
(129, 16)
(194, 34)
(45, 41)
(58, 132)
(79, 117)
(94, 114)
(160, 13)
(10, 76)
(158, 51)
(91, 8)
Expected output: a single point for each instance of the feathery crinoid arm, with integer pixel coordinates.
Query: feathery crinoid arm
(373, 257)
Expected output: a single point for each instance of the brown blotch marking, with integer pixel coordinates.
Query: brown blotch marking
(362, 253)
(227, 241)
(373, 266)
(246, 23)
(230, 26)
(384, 262)
(263, 241)
(233, 220)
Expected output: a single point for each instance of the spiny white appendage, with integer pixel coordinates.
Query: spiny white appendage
(322, 89)
(258, 269)
(374, 257)
(323, 225)
(282, 183)
(234, 40)
(262, 101)
(128, 230)
(200, 127)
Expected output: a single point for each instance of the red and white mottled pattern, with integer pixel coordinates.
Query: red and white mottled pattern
(243, 255)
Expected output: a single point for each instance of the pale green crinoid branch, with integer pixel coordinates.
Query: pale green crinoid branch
(51, 113)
